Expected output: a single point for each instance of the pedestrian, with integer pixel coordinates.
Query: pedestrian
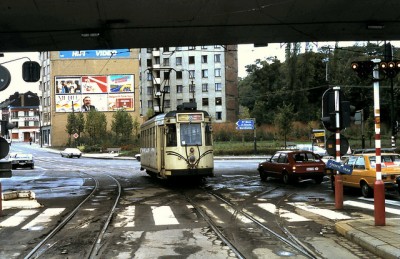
(30, 141)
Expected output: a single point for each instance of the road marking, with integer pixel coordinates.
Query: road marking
(391, 202)
(287, 215)
(18, 218)
(235, 214)
(369, 206)
(126, 218)
(330, 214)
(163, 215)
(39, 222)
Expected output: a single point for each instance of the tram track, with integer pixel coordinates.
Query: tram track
(59, 241)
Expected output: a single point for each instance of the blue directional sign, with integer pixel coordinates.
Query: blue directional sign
(247, 124)
(345, 169)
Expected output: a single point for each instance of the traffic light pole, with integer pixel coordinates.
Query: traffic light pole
(338, 176)
(379, 188)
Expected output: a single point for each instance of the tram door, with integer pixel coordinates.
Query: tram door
(162, 147)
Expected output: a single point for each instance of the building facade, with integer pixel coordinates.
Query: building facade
(206, 75)
(109, 78)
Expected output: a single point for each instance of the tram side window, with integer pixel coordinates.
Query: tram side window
(190, 134)
(208, 135)
(171, 135)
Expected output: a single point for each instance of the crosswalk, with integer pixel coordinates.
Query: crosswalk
(37, 219)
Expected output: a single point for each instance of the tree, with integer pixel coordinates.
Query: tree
(284, 121)
(96, 126)
(122, 126)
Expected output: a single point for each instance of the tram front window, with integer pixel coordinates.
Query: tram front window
(190, 134)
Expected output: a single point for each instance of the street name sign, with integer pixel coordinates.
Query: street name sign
(247, 124)
(345, 169)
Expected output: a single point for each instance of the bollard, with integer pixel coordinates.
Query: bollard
(338, 192)
(379, 203)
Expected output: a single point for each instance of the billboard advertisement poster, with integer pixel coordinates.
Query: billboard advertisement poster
(121, 101)
(121, 83)
(94, 84)
(106, 93)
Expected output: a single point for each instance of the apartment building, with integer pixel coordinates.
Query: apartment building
(206, 75)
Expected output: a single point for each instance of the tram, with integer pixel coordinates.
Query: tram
(178, 143)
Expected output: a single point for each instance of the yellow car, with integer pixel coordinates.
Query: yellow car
(364, 172)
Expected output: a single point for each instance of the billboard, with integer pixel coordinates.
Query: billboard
(103, 93)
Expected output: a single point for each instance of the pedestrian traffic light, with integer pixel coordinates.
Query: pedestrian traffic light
(5, 126)
(363, 68)
(390, 69)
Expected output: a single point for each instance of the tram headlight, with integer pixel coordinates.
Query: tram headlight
(192, 159)
(191, 150)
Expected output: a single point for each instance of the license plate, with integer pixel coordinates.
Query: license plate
(310, 169)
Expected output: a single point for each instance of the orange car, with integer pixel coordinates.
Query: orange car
(364, 172)
(292, 165)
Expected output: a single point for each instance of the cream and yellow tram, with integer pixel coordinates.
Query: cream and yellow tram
(178, 143)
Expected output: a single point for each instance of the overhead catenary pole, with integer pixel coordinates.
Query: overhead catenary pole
(379, 188)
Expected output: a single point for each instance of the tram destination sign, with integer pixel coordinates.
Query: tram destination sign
(247, 124)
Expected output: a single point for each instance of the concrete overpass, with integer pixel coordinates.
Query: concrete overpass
(36, 25)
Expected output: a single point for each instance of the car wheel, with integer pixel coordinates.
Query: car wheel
(32, 166)
(286, 178)
(366, 191)
(79, 156)
(62, 155)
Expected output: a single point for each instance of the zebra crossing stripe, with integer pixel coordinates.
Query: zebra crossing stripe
(330, 214)
(126, 218)
(45, 217)
(369, 206)
(163, 215)
(287, 215)
(18, 218)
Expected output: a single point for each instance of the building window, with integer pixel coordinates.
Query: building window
(204, 87)
(166, 61)
(217, 46)
(150, 104)
(157, 60)
(191, 74)
(192, 47)
(149, 50)
(191, 60)
(204, 59)
(149, 76)
(178, 74)
(149, 90)
(217, 58)
(218, 87)
(204, 73)
(217, 72)
(179, 88)
(178, 61)
(178, 49)
(167, 103)
(149, 63)
(166, 49)
(26, 123)
(205, 101)
(167, 89)
(218, 100)
(218, 115)
(158, 73)
(166, 75)
(203, 47)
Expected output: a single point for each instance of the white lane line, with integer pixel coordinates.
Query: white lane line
(235, 214)
(163, 216)
(391, 202)
(369, 206)
(18, 218)
(287, 215)
(45, 217)
(330, 214)
(126, 218)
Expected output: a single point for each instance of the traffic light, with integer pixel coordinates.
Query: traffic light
(329, 114)
(390, 69)
(363, 68)
(5, 126)
(395, 128)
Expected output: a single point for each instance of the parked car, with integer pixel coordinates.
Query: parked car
(364, 172)
(313, 148)
(21, 160)
(71, 152)
(293, 165)
(137, 156)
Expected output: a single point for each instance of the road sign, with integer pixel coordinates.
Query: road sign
(247, 124)
(345, 169)
(76, 135)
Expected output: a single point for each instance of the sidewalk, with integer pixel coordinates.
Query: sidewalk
(384, 241)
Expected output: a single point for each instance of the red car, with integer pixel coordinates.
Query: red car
(293, 165)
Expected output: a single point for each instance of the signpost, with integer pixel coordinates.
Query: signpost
(248, 124)
(345, 169)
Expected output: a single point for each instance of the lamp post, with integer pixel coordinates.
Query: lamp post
(40, 126)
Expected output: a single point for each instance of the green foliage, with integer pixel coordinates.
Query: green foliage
(284, 121)
(122, 126)
(96, 126)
